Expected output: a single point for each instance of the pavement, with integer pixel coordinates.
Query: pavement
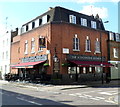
(113, 83)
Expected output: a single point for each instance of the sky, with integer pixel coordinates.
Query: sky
(15, 13)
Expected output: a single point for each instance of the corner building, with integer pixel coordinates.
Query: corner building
(61, 45)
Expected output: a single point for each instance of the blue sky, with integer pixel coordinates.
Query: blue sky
(19, 12)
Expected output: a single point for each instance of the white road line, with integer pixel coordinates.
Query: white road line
(109, 101)
(87, 95)
(102, 98)
(106, 93)
(94, 98)
(28, 101)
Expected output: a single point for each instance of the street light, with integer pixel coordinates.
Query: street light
(101, 65)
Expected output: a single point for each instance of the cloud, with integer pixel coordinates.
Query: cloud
(91, 9)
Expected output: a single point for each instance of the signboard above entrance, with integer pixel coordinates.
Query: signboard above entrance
(85, 58)
(34, 58)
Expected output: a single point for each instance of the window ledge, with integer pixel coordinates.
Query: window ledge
(76, 50)
(87, 51)
(97, 52)
(40, 50)
(33, 52)
(25, 53)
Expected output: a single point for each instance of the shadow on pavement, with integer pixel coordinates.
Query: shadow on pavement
(13, 99)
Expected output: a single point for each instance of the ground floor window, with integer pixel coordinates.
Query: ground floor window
(83, 70)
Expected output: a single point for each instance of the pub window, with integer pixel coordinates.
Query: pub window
(97, 46)
(84, 70)
(71, 70)
(26, 47)
(111, 36)
(87, 45)
(33, 45)
(93, 24)
(117, 37)
(72, 19)
(76, 43)
(83, 22)
(42, 42)
(97, 69)
(115, 52)
(33, 25)
(90, 69)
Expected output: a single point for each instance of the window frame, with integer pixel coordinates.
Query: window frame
(33, 45)
(97, 46)
(93, 24)
(76, 43)
(26, 47)
(83, 21)
(87, 45)
(72, 19)
(115, 52)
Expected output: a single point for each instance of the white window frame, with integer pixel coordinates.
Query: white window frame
(6, 54)
(83, 22)
(76, 43)
(93, 24)
(111, 36)
(26, 47)
(117, 36)
(97, 46)
(115, 52)
(33, 45)
(87, 45)
(44, 19)
(36, 23)
(72, 19)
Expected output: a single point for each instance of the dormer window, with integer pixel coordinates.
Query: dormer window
(40, 22)
(72, 19)
(93, 24)
(83, 22)
(33, 25)
(117, 36)
(26, 27)
(111, 36)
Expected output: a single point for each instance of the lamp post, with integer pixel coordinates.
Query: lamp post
(101, 65)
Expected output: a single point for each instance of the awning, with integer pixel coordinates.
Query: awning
(91, 63)
(26, 65)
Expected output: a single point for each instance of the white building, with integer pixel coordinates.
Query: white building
(5, 44)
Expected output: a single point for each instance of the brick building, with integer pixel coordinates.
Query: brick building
(64, 44)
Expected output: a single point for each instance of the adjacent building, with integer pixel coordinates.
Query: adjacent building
(5, 46)
(63, 44)
(114, 54)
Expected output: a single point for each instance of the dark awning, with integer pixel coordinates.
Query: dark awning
(26, 65)
(91, 63)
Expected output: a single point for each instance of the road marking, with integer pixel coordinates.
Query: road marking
(106, 93)
(28, 101)
(100, 98)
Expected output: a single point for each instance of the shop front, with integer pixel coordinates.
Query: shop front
(32, 68)
(87, 68)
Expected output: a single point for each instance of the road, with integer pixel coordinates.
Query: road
(14, 94)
